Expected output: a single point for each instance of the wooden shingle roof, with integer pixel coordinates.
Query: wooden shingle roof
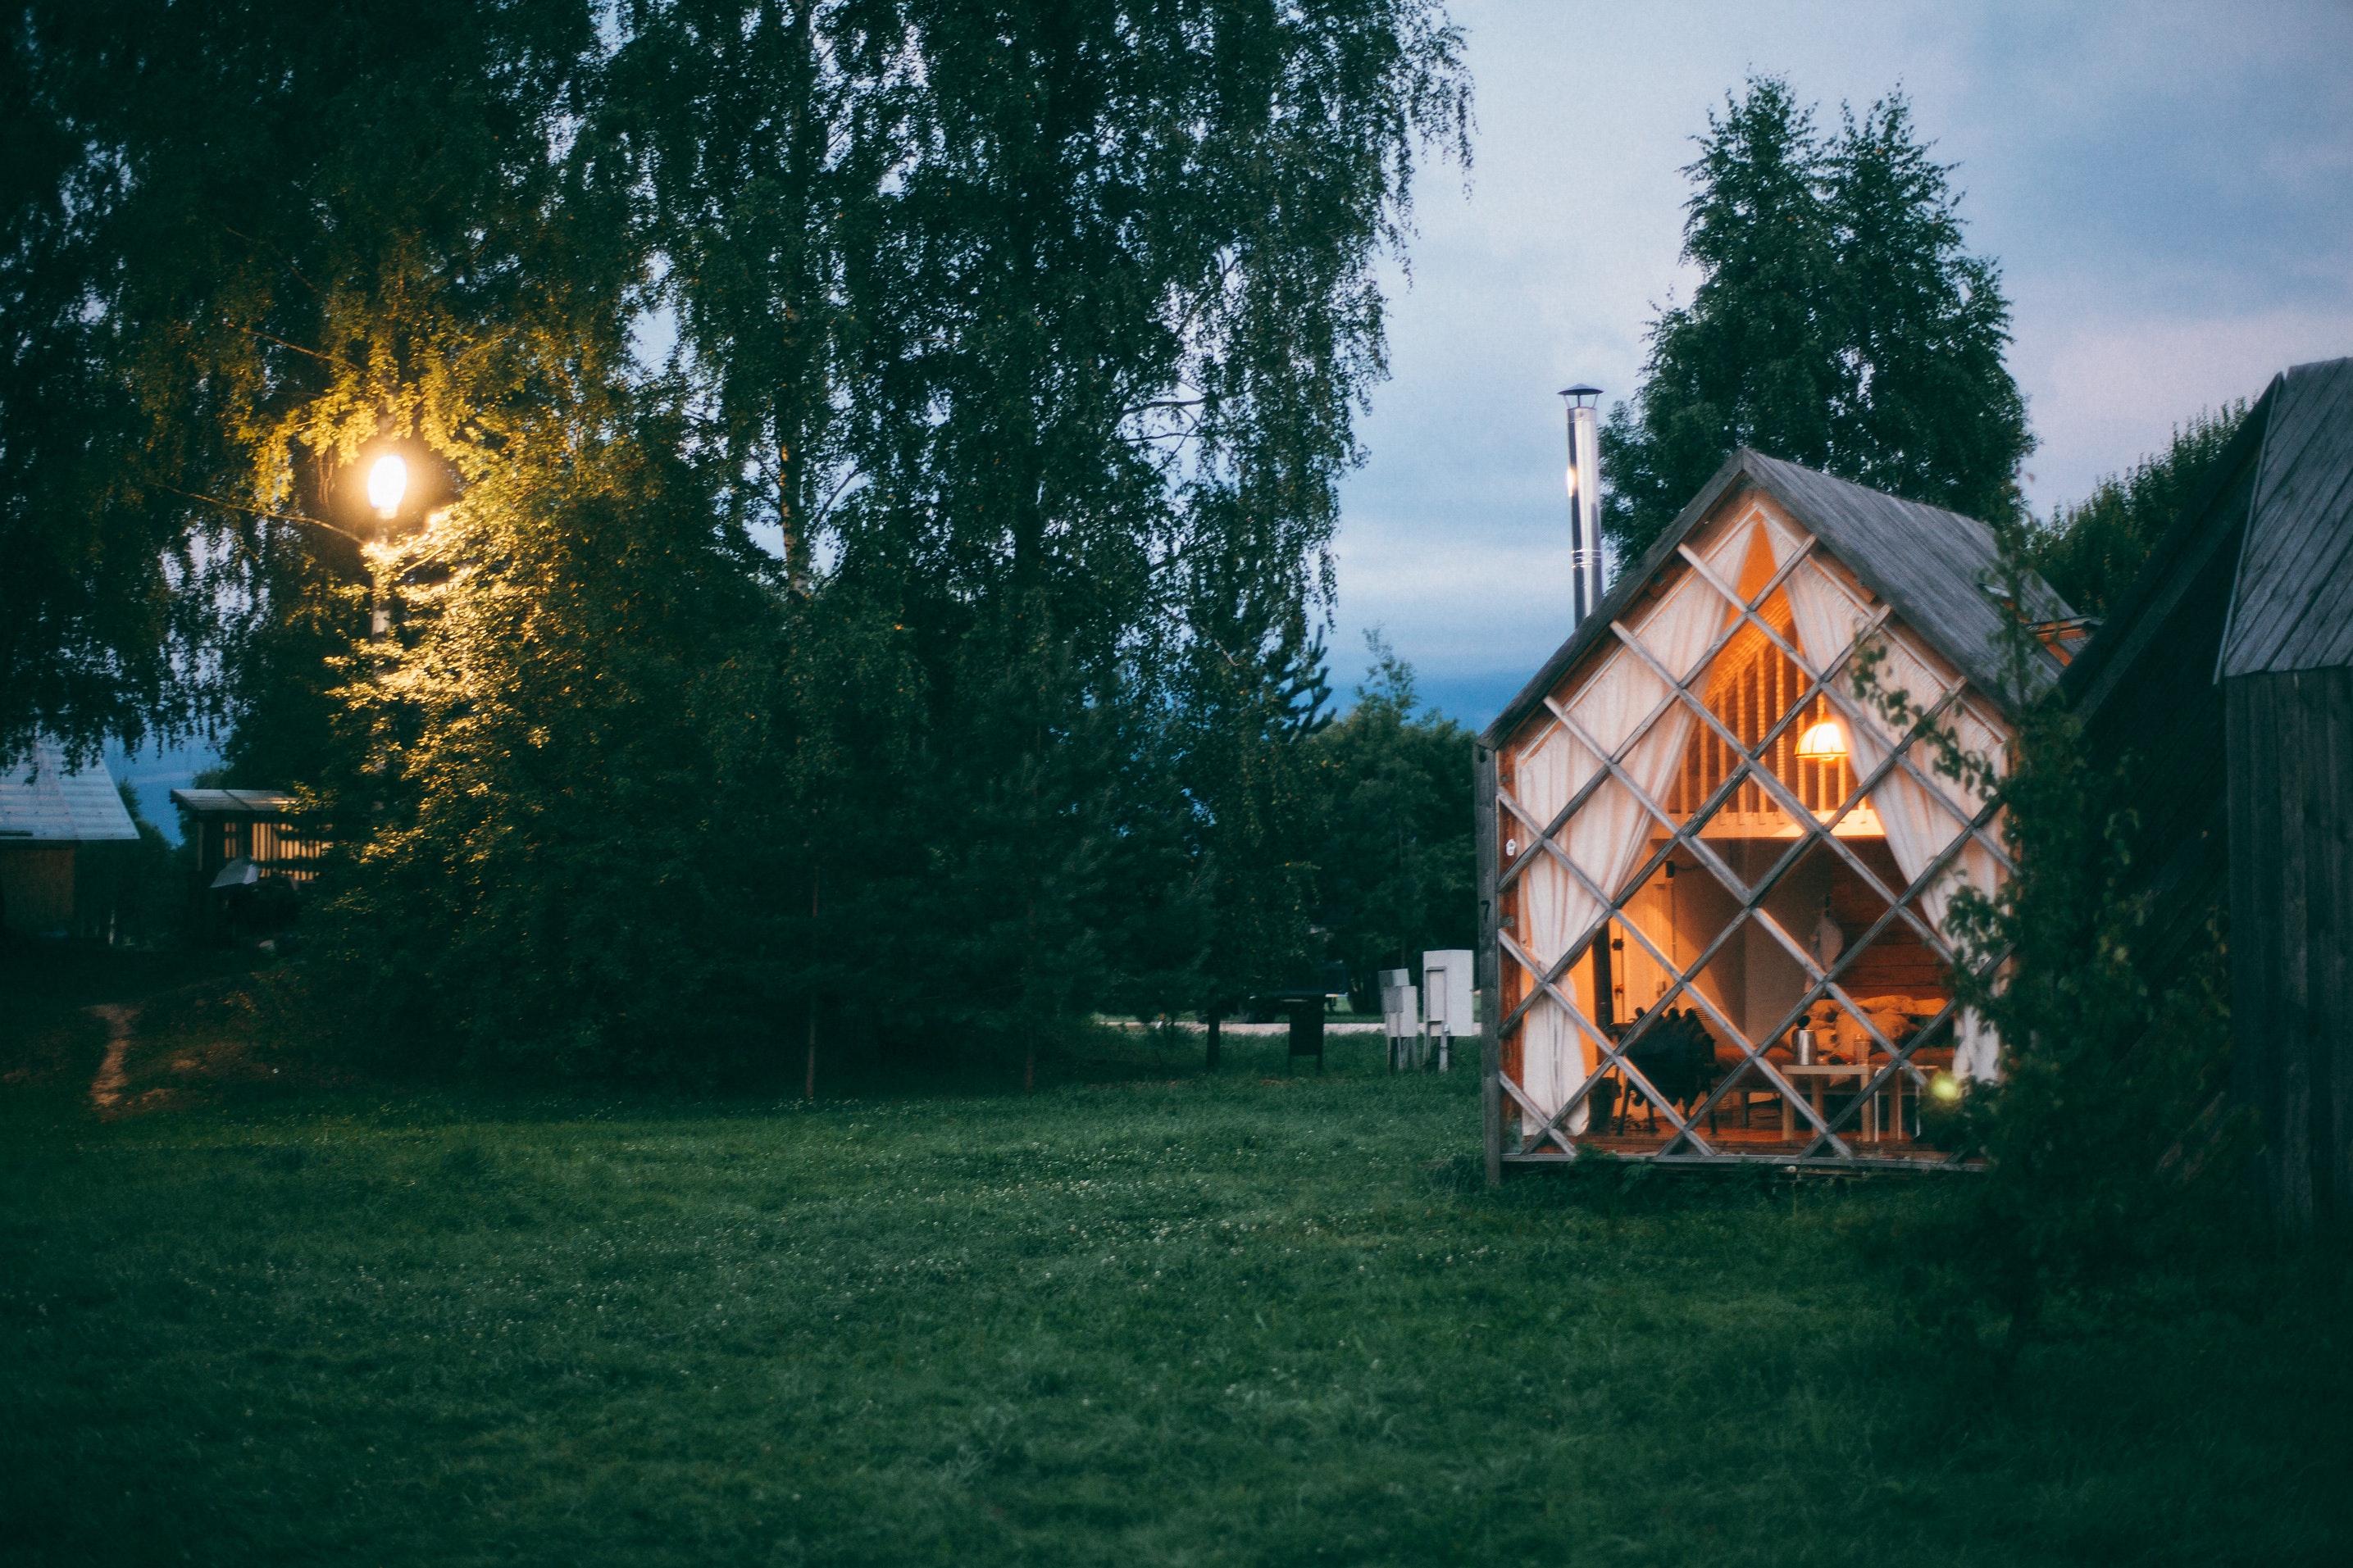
(2292, 607)
(44, 801)
(234, 801)
(1932, 565)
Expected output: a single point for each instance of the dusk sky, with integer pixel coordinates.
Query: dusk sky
(2168, 188)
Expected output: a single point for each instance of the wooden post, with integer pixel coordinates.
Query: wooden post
(1211, 1065)
(1605, 978)
(1487, 971)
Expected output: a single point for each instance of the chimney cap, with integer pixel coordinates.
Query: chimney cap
(1581, 392)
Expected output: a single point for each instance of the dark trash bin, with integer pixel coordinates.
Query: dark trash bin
(1307, 1031)
(1304, 1008)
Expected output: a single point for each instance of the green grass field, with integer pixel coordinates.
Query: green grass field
(1158, 1318)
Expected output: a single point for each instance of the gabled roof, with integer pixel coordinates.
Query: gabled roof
(234, 801)
(1932, 565)
(44, 802)
(2180, 591)
(2293, 606)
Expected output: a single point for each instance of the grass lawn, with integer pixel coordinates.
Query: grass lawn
(1157, 1320)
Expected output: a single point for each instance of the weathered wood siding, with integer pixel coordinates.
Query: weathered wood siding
(36, 888)
(2291, 884)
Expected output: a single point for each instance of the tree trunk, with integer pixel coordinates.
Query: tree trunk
(809, 1081)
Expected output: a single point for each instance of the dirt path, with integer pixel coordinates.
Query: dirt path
(106, 1088)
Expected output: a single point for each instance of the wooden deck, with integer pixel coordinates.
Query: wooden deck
(1759, 1142)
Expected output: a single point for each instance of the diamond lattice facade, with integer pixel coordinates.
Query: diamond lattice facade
(1716, 877)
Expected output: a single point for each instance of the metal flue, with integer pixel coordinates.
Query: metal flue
(1584, 498)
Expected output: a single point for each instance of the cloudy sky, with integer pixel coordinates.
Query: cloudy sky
(2167, 188)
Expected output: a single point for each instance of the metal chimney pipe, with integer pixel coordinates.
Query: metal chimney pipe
(1584, 498)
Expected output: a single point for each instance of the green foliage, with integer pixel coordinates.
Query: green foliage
(563, 862)
(1139, 1321)
(2107, 1139)
(2091, 550)
(1024, 341)
(1258, 805)
(242, 242)
(149, 889)
(1398, 862)
(1838, 322)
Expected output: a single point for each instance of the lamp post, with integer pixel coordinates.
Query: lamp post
(1584, 498)
(387, 483)
(400, 483)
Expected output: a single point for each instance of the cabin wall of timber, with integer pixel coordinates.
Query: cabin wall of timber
(36, 888)
(71, 889)
(2291, 891)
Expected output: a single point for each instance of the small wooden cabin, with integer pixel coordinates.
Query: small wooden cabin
(1713, 887)
(238, 829)
(252, 860)
(2224, 676)
(63, 832)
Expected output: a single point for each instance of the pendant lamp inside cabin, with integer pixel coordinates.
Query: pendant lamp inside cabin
(1823, 742)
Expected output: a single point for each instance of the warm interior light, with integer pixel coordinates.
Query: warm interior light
(1822, 742)
(387, 482)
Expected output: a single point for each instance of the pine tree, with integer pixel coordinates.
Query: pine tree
(1397, 862)
(1838, 322)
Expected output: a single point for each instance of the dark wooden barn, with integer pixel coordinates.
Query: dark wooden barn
(2224, 675)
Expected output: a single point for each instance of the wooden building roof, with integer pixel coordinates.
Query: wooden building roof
(2223, 681)
(1934, 566)
(2255, 576)
(44, 801)
(2293, 605)
(2162, 639)
(234, 801)
(2144, 688)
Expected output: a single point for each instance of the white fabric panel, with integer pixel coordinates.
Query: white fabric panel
(1608, 834)
(1920, 823)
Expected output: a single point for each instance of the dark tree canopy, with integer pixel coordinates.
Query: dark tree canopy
(934, 624)
(1838, 322)
(247, 238)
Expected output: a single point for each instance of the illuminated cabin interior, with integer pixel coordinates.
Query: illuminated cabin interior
(1716, 886)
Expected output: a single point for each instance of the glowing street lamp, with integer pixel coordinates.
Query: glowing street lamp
(387, 481)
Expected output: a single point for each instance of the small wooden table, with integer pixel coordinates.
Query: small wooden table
(1817, 1073)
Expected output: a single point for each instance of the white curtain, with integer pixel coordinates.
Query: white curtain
(1920, 822)
(1606, 834)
